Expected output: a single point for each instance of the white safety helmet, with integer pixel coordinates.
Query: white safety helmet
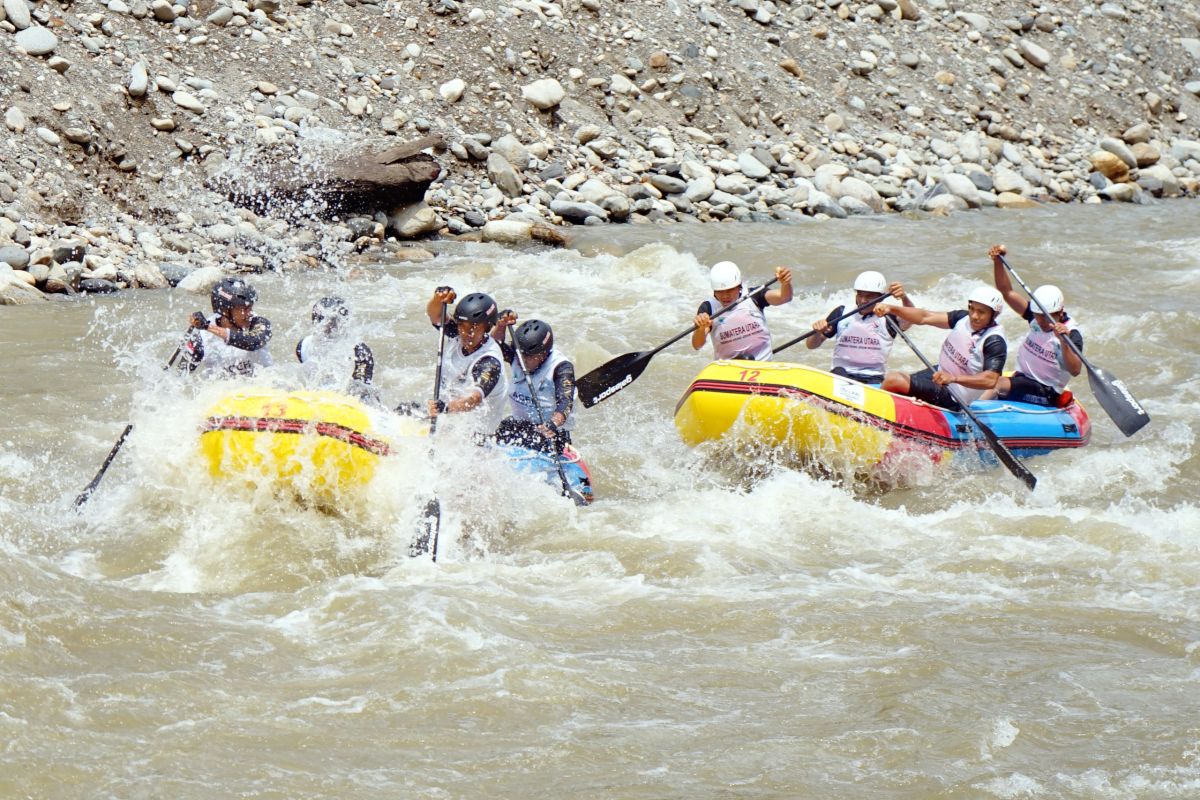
(1048, 297)
(870, 281)
(987, 296)
(725, 275)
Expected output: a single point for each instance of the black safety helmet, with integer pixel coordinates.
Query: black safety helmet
(476, 307)
(534, 337)
(332, 311)
(231, 293)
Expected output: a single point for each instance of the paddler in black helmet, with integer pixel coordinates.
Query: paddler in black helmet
(542, 374)
(473, 378)
(234, 342)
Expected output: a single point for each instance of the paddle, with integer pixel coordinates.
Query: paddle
(88, 490)
(998, 447)
(568, 491)
(1116, 400)
(431, 520)
(833, 319)
(614, 375)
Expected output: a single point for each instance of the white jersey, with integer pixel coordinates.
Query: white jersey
(334, 362)
(1041, 357)
(862, 345)
(457, 381)
(222, 359)
(741, 332)
(962, 354)
(542, 379)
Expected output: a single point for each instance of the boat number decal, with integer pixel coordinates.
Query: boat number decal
(850, 391)
(751, 375)
(274, 409)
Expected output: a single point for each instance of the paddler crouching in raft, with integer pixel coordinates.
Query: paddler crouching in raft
(332, 355)
(1044, 364)
(542, 375)
(234, 343)
(972, 356)
(862, 342)
(473, 378)
(741, 332)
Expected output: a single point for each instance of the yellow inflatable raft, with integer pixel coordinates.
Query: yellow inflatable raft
(317, 443)
(846, 425)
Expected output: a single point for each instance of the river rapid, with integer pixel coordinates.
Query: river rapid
(717, 624)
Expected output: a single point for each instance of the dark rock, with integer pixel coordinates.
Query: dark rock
(552, 171)
(475, 219)
(97, 286)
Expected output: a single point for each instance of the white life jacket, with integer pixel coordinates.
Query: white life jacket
(962, 354)
(542, 379)
(328, 361)
(457, 381)
(862, 344)
(740, 332)
(222, 359)
(1041, 356)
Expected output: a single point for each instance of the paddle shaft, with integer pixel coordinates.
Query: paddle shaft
(562, 475)
(833, 321)
(86, 494)
(998, 447)
(433, 509)
(1120, 404)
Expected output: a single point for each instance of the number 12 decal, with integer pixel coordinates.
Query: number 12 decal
(751, 375)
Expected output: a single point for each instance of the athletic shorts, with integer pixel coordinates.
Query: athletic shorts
(861, 377)
(923, 388)
(1025, 389)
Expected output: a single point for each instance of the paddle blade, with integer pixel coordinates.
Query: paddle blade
(611, 377)
(1117, 401)
(1014, 464)
(430, 526)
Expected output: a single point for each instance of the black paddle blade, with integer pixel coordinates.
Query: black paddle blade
(611, 377)
(1014, 464)
(431, 524)
(1126, 412)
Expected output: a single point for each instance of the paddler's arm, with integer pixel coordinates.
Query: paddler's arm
(783, 292)
(896, 290)
(1016, 301)
(703, 323)
(486, 374)
(914, 315)
(504, 320)
(995, 353)
(442, 295)
(253, 338)
(1072, 362)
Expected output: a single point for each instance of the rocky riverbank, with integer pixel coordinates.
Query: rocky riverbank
(127, 123)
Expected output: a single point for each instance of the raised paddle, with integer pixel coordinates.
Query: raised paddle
(431, 520)
(614, 375)
(833, 319)
(1014, 464)
(1116, 400)
(567, 491)
(88, 490)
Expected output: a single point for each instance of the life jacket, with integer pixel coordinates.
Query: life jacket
(862, 344)
(329, 361)
(457, 381)
(962, 354)
(222, 359)
(1041, 356)
(741, 332)
(542, 380)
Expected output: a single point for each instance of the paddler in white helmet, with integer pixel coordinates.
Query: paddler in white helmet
(862, 341)
(972, 356)
(1044, 364)
(741, 332)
